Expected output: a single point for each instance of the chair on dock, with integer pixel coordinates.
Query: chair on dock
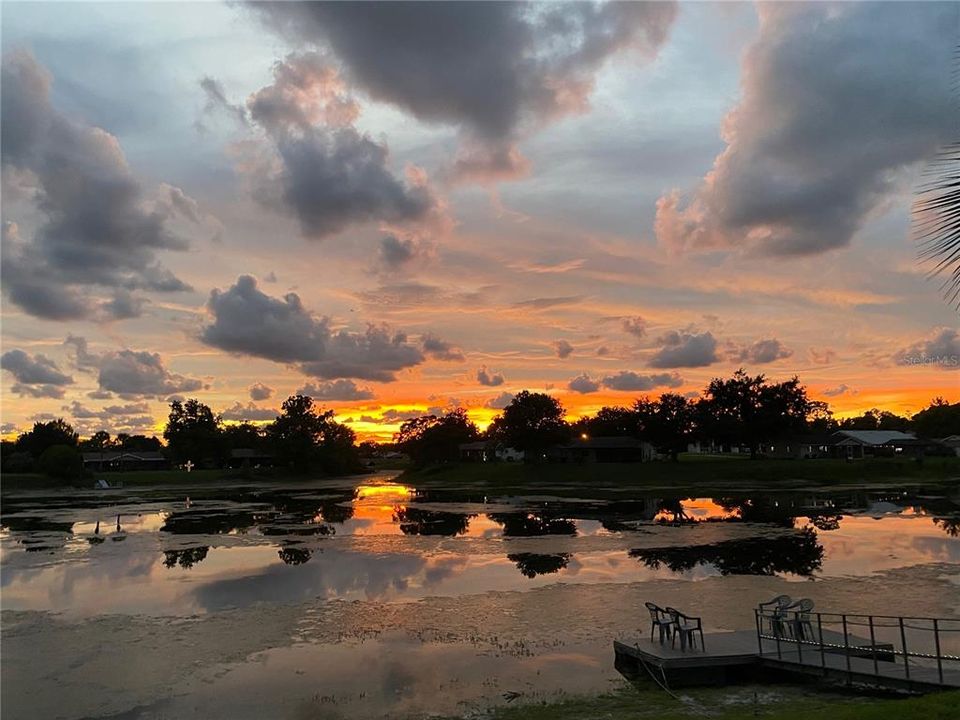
(801, 626)
(777, 613)
(660, 620)
(686, 627)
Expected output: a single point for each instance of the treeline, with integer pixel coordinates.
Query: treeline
(743, 411)
(303, 438)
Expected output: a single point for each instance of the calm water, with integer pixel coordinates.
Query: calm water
(153, 552)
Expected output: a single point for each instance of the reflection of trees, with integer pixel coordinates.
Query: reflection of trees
(186, 558)
(294, 555)
(950, 525)
(209, 521)
(37, 534)
(674, 507)
(533, 564)
(527, 525)
(760, 510)
(416, 521)
(798, 553)
(826, 522)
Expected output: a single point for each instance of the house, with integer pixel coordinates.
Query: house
(853, 444)
(603, 449)
(801, 447)
(952, 442)
(482, 451)
(109, 460)
(248, 457)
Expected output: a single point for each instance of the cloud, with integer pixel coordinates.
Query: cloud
(683, 348)
(822, 356)
(941, 349)
(396, 253)
(563, 349)
(336, 391)
(499, 402)
(490, 379)
(138, 373)
(583, 384)
(329, 174)
(494, 70)
(217, 100)
(259, 391)
(239, 412)
(841, 389)
(246, 321)
(835, 100)
(626, 380)
(36, 370)
(441, 349)
(111, 412)
(249, 322)
(635, 326)
(123, 306)
(98, 230)
(545, 303)
(759, 352)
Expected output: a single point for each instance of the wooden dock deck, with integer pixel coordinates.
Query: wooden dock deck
(730, 657)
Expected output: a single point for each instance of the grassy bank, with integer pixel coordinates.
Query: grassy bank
(777, 703)
(690, 472)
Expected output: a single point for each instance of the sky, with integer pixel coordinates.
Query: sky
(399, 208)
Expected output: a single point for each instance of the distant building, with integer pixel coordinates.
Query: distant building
(952, 442)
(116, 460)
(482, 451)
(871, 443)
(603, 450)
(802, 447)
(240, 457)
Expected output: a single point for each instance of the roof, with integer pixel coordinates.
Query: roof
(478, 445)
(596, 443)
(113, 455)
(240, 453)
(875, 437)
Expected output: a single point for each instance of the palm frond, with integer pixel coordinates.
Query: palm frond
(936, 221)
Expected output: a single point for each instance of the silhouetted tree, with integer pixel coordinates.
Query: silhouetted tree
(533, 564)
(532, 422)
(135, 443)
(44, 435)
(668, 423)
(876, 420)
(100, 440)
(244, 435)
(430, 439)
(307, 438)
(193, 433)
(62, 462)
(939, 420)
(608, 422)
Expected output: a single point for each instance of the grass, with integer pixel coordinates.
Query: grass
(776, 703)
(691, 471)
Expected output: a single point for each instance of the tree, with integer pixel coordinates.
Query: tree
(940, 420)
(749, 411)
(432, 439)
(306, 438)
(936, 217)
(46, 435)
(876, 420)
(532, 422)
(243, 435)
(608, 422)
(193, 433)
(100, 440)
(62, 462)
(668, 423)
(142, 443)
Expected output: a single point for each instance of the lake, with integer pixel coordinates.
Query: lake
(365, 597)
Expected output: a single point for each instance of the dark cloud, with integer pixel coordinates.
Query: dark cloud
(123, 306)
(130, 373)
(109, 413)
(239, 412)
(493, 69)
(627, 380)
(98, 229)
(563, 349)
(249, 322)
(836, 98)
(500, 401)
(439, 349)
(35, 370)
(583, 384)
(259, 391)
(636, 326)
(490, 379)
(941, 350)
(841, 389)
(336, 391)
(545, 303)
(760, 352)
(684, 348)
(217, 100)
(329, 174)
(822, 356)
(400, 253)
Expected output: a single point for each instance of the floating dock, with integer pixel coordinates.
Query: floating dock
(742, 656)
